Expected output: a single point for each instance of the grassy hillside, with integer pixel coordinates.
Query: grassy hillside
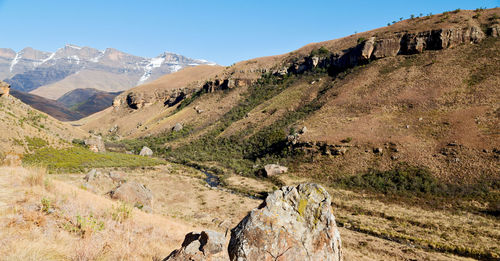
(25, 129)
(51, 107)
(417, 129)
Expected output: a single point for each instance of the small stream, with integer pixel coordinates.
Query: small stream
(212, 180)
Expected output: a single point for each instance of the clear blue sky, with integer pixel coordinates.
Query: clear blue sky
(223, 31)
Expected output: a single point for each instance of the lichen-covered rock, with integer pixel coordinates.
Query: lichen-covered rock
(294, 223)
(205, 246)
(133, 193)
(145, 151)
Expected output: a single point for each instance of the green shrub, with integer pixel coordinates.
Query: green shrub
(46, 205)
(321, 52)
(407, 180)
(79, 142)
(84, 225)
(402, 179)
(121, 212)
(35, 143)
(187, 101)
(346, 140)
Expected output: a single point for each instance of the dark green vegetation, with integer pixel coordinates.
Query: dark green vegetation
(78, 159)
(241, 151)
(411, 181)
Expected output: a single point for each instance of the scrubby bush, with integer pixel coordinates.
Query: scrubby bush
(321, 52)
(121, 212)
(402, 179)
(35, 143)
(408, 180)
(79, 142)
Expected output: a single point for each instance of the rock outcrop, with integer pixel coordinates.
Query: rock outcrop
(403, 43)
(4, 89)
(137, 100)
(274, 169)
(294, 223)
(95, 144)
(207, 245)
(145, 151)
(135, 194)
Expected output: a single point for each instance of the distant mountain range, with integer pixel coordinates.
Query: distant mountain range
(53, 74)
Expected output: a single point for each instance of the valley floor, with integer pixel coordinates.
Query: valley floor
(52, 217)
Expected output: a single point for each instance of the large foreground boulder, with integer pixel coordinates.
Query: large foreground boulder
(205, 246)
(135, 194)
(294, 223)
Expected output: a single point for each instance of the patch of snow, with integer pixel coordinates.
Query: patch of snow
(98, 57)
(75, 58)
(175, 68)
(148, 69)
(73, 46)
(15, 61)
(205, 62)
(156, 62)
(47, 59)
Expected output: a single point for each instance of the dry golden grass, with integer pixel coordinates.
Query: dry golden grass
(67, 223)
(180, 193)
(36, 176)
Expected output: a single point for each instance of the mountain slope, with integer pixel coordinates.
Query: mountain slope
(25, 129)
(95, 103)
(53, 74)
(77, 96)
(186, 81)
(402, 122)
(51, 107)
(365, 90)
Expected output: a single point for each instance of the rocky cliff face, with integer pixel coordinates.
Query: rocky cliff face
(137, 100)
(403, 43)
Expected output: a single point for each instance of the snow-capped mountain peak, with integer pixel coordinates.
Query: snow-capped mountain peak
(31, 70)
